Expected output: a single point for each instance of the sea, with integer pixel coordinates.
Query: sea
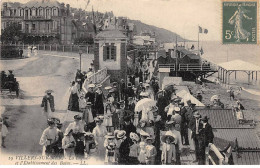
(217, 53)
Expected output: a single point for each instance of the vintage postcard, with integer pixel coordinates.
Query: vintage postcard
(130, 82)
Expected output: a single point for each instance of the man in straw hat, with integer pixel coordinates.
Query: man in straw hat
(110, 145)
(90, 97)
(170, 150)
(195, 126)
(49, 138)
(184, 124)
(99, 100)
(161, 104)
(128, 126)
(205, 137)
(129, 92)
(124, 148)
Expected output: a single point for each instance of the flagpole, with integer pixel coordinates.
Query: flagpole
(198, 41)
(176, 57)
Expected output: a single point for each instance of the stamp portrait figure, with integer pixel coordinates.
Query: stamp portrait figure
(237, 20)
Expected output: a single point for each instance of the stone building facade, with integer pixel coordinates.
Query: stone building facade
(44, 20)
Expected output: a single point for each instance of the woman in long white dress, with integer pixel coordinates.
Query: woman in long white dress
(99, 133)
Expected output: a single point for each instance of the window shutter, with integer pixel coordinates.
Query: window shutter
(104, 53)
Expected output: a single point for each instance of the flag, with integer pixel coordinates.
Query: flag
(202, 30)
(201, 51)
(192, 47)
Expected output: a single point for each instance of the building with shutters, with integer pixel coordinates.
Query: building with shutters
(45, 20)
(110, 52)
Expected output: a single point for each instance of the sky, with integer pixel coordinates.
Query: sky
(180, 16)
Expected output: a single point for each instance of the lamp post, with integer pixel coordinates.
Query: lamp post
(80, 53)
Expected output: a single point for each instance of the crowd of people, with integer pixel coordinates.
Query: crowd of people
(129, 125)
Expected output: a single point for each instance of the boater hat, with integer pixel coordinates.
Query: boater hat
(108, 87)
(99, 85)
(91, 85)
(121, 134)
(49, 91)
(143, 133)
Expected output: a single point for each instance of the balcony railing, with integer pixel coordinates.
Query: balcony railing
(95, 78)
(188, 67)
(196, 67)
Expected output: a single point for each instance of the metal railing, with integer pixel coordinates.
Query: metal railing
(196, 67)
(170, 66)
(95, 78)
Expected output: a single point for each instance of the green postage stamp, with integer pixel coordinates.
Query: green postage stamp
(240, 22)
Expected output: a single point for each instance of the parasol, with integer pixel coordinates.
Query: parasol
(215, 97)
(144, 104)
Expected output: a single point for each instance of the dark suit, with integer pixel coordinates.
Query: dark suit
(184, 127)
(205, 137)
(124, 151)
(195, 136)
(161, 104)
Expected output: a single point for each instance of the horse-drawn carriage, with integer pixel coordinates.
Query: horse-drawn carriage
(9, 83)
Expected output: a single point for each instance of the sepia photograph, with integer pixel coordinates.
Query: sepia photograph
(130, 82)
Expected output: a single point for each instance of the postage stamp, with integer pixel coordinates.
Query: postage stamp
(240, 22)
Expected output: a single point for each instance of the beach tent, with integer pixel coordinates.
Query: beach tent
(171, 81)
(227, 68)
(187, 96)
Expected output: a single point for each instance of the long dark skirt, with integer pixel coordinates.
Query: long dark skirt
(73, 102)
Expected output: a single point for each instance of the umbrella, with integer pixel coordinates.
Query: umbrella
(215, 97)
(144, 103)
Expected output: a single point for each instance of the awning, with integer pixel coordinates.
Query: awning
(239, 65)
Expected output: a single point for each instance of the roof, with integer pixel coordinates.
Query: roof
(193, 56)
(41, 3)
(220, 118)
(184, 51)
(247, 158)
(13, 4)
(161, 53)
(110, 34)
(239, 65)
(246, 138)
(171, 81)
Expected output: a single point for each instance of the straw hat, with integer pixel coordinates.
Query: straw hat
(99, 85)
(91, 85)
(134, 136)
(108, 87)
(143, 133)
(170, 135)
(177, 109)
(121, 134)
